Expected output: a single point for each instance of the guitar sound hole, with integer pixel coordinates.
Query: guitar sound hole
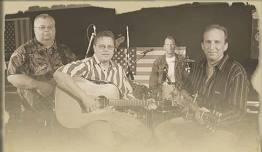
(103, 101)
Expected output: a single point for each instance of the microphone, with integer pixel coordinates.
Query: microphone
(91, 39)
(94, 28)
(146, 51)
(127, 37)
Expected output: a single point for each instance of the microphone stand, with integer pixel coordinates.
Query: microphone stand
(144, 54)
(90, 42)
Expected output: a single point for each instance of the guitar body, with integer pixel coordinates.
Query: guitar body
(167, 91)
(69, 112)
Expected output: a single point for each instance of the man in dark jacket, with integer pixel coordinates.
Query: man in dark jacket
(168, 68)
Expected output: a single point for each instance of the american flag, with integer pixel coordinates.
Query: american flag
(17, 31)
(123, 55)
(145, 62)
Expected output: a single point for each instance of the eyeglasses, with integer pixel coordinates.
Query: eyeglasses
(42, 28)
(102, 47)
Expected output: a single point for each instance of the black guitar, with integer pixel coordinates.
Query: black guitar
(191, 110)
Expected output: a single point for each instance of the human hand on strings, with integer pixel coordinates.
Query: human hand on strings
(88, 105)
(151, 104)
(200, 114)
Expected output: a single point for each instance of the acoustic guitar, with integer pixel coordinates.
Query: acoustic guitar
(69, 110)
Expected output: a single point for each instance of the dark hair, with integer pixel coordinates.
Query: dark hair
(216, 26)
(44, 16)
(104, 34)
(170, 37)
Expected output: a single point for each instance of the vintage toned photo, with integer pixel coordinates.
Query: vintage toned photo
(118, 76)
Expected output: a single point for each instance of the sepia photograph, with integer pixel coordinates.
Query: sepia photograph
(125, 76)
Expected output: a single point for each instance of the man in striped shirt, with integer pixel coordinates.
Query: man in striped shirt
(100, 67)
(222, 85)
(220, 81)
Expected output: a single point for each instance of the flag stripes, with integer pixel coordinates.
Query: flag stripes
(17, 32)
(145, 61)
(122, 55)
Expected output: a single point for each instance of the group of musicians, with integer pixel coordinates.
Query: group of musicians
(213, 95)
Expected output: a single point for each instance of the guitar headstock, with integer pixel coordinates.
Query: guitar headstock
(119, 41)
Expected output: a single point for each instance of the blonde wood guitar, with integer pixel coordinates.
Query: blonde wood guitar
(70, 113)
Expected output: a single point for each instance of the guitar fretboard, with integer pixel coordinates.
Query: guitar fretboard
(119, 102)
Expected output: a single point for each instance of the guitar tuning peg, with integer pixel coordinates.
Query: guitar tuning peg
(210, 128)
(213, 111)
(89, 109)
(219, 115)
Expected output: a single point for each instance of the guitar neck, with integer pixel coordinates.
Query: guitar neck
(122, 102)
(190, 102)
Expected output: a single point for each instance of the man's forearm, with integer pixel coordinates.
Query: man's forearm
(23, 81)
(68, 84)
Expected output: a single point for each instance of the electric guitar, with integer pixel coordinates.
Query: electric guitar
(119, 41)
(190, 108)
(187, 106)
(71, 114)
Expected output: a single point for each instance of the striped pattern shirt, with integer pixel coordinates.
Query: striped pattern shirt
(90, 69)
(226, 90)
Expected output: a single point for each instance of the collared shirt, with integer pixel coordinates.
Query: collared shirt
(159, 74)
(225, 91)
(171, 68)
(90, 69)
(103, 69)
(160, 69)
(38, 62)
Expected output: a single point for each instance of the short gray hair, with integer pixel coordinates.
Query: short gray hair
(44, 16)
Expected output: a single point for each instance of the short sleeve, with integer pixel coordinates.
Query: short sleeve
(77, 68)
(17, 62)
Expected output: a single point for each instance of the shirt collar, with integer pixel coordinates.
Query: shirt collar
(169, 60)
(41, 46)
(220, 64)
(96, 61)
